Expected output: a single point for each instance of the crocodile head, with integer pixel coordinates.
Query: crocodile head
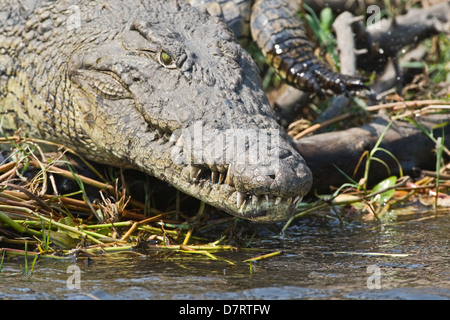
(172, 94)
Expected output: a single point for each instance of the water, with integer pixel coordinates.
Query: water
(407, 258)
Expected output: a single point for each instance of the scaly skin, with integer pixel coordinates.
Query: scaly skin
(278, 31)
(136, 84)
(281, 36)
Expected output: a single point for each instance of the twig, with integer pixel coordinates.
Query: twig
(264, 256)
(7, 166)
(18, 252)
(31, 196)
(396, 255)
(197, 217)
(194, 247)
(394, 106)
(70, 175)
(130, 231)
(434, 174)
(346, 42)
(324, 124)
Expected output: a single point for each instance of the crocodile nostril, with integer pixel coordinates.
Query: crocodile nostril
(283, 153)
(272, 176)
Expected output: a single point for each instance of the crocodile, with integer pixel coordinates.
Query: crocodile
(282, 38)
(163, 87)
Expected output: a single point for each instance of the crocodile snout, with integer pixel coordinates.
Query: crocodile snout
(250, 172)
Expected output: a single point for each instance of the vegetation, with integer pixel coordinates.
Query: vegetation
(432, 82)
(39, 220)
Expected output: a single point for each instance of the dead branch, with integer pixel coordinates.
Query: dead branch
(343, 149)
(289, 104)
(347, 57)
(386, 38)
(346, 42)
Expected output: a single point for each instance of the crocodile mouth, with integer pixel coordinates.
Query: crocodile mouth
(215, 184)
(244, 201)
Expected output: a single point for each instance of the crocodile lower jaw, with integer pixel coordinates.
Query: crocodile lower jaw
(207, 186)
(214, 185)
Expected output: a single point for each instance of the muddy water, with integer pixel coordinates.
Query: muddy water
(406, 258)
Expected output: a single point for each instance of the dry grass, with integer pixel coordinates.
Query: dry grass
(36, 220)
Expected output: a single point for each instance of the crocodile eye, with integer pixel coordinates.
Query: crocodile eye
(166, 60)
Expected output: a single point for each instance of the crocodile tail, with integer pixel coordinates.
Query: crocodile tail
(281, 36)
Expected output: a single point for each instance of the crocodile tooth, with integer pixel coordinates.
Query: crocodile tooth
(254, 200)
(229, 181)
(214, 175)
(267, 197)
(176, 137)
(195, 173)
(289, 200)
(297, 199)
(221, 177)
(167, 135)
(277, 200)
(240, 199)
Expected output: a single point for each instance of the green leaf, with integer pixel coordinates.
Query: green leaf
(383, 163)
(326, 19)
(68, 222)
(62, 239)
(383, 197)
(413, 64)
(400, 169)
